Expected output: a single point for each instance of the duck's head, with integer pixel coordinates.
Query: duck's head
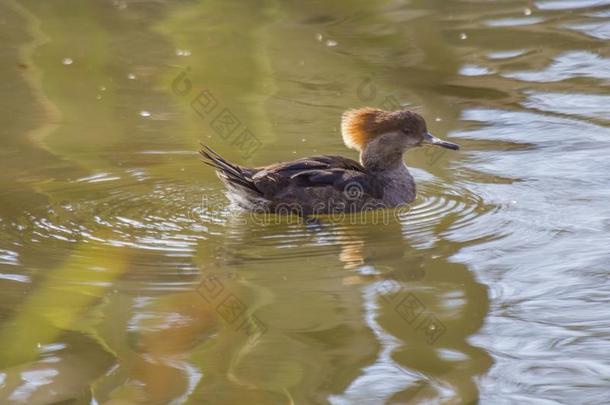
(397, 130)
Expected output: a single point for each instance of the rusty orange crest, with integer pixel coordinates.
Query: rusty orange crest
(360, 126)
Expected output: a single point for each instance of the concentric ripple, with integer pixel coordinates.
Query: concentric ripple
(448, 204)
(161, 216)
(171, 220)
(440, 210)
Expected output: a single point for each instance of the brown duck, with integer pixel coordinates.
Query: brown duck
(326, 184)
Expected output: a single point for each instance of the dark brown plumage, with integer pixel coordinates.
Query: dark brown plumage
(326, 184)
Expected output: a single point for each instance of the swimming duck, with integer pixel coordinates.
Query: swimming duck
(328, 184)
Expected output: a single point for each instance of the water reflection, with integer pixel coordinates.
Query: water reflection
(379, 273)
(421, 308)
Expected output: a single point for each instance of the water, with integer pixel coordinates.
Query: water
(127, 278)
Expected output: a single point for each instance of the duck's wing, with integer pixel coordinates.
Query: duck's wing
(328, 176)
(307, 181)
(312, 162)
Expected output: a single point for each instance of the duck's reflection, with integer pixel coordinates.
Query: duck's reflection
(422, 308)
(375, 319)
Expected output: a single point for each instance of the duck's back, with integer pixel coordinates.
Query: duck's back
(317, 184)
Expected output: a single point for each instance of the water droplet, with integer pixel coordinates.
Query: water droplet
(438, 119)
(303, 140)
(319, 37)
(527, 11)
(183, 52)
(145, 114)
(331, 43)
(67, 61)
(102, 88)
(463, 35)
(98, 97)
(432, 327)
(131, 76)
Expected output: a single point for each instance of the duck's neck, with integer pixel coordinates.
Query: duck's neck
(393, 175)
(381, 155)
(384, 160)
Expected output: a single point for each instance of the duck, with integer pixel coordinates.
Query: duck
(326, 184)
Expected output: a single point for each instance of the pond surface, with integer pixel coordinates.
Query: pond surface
(126, 277)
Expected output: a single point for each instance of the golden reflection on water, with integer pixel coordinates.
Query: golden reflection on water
(127, 278)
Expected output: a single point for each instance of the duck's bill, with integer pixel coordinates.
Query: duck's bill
(433, 140)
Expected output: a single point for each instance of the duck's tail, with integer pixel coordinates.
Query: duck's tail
(231, 173)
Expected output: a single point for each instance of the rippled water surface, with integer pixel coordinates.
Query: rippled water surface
(126, 277)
